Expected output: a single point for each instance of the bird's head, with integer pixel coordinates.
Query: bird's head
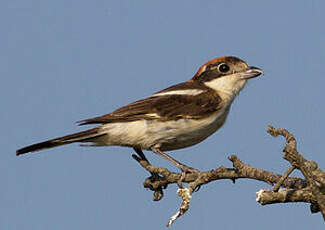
(226, 74)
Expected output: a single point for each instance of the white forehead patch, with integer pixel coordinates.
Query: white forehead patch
(189, 92)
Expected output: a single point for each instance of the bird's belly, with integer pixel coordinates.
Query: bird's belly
(166, 135)
(188, 132)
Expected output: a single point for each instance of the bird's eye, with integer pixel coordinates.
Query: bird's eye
(223, 68)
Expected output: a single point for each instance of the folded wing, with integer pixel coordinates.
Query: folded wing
(170, 104)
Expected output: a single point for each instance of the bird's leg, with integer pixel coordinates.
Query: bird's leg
(143, 157)
(184, 168)
(140, 153)
(158, 192)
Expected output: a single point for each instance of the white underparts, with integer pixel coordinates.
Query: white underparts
(148, 133)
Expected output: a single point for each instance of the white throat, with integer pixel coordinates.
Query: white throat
(228, 86)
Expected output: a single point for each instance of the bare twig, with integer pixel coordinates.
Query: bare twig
(283, 178)
(309, 190)
(313, 175)
(161, 177)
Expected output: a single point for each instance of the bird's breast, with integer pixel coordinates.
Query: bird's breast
(187, 132)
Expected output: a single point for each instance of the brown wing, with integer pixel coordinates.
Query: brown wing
(167, 107)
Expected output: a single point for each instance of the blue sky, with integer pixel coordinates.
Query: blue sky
(64, 61)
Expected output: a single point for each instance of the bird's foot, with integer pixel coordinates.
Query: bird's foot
(185, 169)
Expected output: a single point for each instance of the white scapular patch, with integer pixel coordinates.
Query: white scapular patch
(153, 115)
(189, 92)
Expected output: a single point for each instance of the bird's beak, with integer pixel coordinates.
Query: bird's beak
(251, 72)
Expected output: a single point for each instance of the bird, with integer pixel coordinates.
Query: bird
(177, 117)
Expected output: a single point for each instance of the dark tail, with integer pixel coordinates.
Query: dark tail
(83, 136)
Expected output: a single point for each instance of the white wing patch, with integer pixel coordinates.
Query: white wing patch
(153, 115)
(189, 92)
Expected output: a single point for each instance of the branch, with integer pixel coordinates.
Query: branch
(265, 197)
(309, 190)
(161, 177)
(314, 176)
(240, 170)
